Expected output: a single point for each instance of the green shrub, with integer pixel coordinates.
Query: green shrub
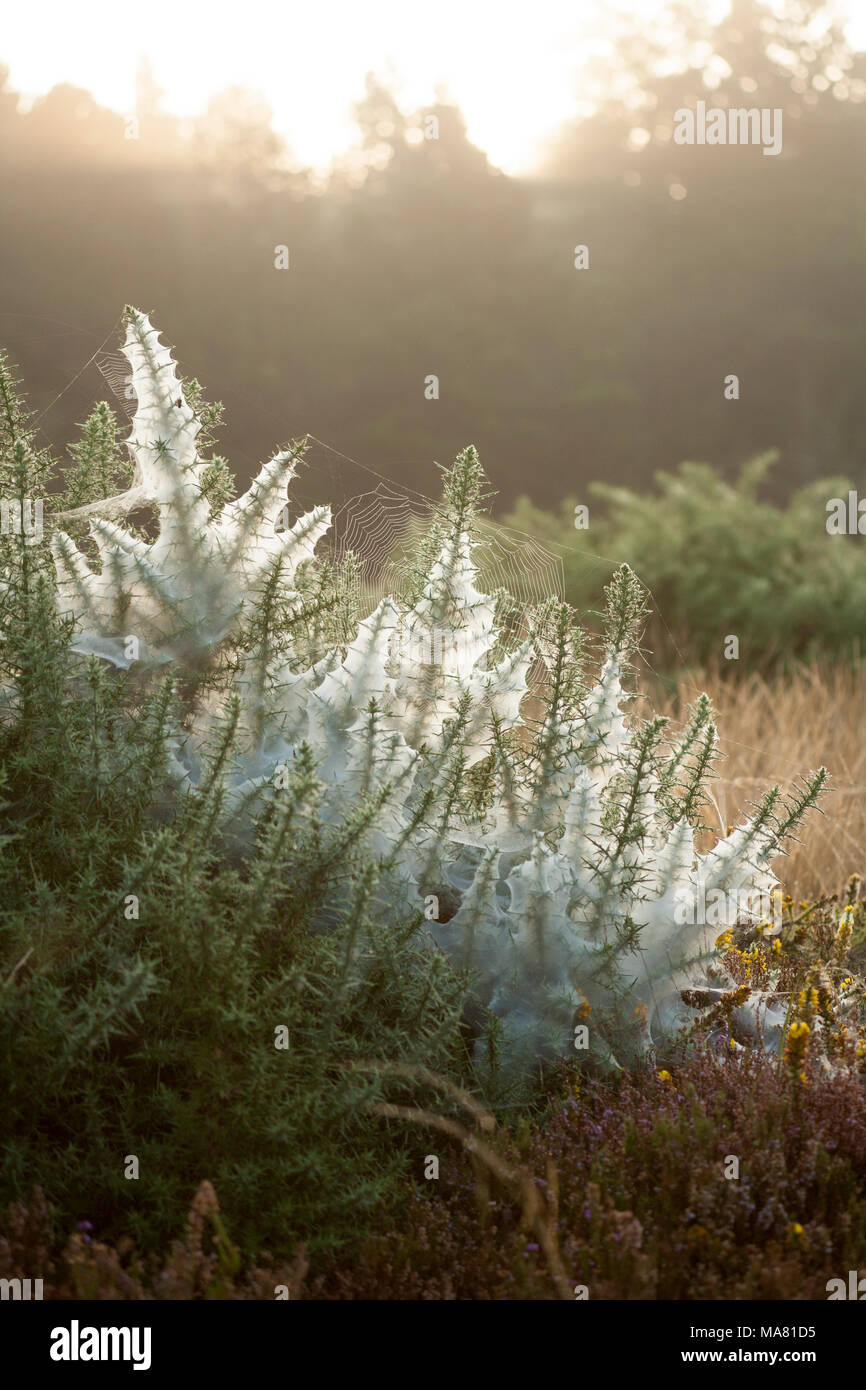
(145, 966)
(154, 1035)
(718, 561)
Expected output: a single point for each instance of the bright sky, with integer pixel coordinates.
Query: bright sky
(511, 67)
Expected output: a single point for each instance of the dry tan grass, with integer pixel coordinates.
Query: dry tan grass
(772, 730)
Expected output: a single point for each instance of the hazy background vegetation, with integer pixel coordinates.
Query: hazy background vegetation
(416, 256)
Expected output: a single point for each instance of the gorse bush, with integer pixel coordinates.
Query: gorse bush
(144, 979)
(253, 835)
(160, 1035)
(719, 560)
(558, 848)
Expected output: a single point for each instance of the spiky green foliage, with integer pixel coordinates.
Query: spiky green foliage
(562, 840)
(98, 466)
(143, 979)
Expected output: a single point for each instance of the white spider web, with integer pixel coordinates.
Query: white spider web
(114, 367)
(383, 529)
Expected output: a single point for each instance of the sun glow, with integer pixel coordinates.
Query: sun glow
(513, 73)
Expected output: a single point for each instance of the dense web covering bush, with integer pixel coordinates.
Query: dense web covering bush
(482, 756)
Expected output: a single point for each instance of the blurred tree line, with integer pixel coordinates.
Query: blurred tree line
(417, 257)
